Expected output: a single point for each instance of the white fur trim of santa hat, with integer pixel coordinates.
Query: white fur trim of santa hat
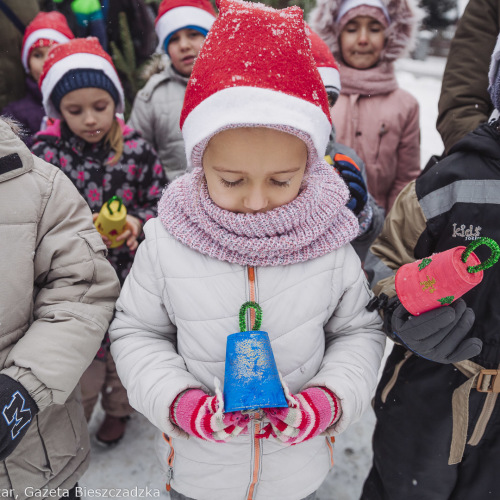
(48, 34)
(80, 60)
(330, 77)
(347, 5)
(181, 17)
(254, 106)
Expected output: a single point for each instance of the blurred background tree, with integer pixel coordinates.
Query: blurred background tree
(440, 13)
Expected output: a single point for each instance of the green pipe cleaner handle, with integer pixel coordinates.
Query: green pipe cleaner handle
(495, 254)
(258, 316)
(113, 198)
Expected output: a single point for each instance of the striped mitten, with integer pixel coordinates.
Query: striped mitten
(309, 414)
(203, 416)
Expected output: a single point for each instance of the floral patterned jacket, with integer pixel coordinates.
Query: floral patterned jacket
(137, 178)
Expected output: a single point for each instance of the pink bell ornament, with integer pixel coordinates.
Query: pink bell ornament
(443, 277)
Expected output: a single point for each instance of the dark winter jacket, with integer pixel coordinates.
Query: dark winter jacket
(454, 203)
(464, 102)
(12, 73)
(28, 111)
(57, 294)
(432, 416)
(137, 178)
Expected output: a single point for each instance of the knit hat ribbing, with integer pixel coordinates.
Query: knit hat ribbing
(80, 54)
(79, 79)
(347, 5)
(255, 68)
(325, 62)
(363, 11)
(46, 25)
(174, 15)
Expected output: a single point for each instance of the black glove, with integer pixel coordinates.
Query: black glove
(437, 335)
(351, 175)
(17, 410)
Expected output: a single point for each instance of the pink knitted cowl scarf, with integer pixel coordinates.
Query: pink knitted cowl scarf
(315, 223)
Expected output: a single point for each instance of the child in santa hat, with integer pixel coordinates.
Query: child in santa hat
(181, 26)
(104, 158)
(46, 29)
(349, 165)
(373, 115)
(261, 217)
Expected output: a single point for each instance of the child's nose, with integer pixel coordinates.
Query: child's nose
(255, 200)
(363, 36)
(89, 118)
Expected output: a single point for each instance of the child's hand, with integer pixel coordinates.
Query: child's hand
(203, 416)
(310, 413)
(133, 228)
(105, 239)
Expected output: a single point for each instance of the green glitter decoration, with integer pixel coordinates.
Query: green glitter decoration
(424, 263)
(447, 300)
(258, 316)
(495, 254)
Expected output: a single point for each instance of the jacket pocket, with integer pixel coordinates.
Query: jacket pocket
(94, 240)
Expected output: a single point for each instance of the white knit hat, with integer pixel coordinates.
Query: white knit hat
(347, 5)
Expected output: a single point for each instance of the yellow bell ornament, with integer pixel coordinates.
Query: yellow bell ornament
(112, 220)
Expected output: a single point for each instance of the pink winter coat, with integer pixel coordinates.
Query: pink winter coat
(384, 131)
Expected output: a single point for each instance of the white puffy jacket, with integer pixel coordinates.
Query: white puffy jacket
(173, 316)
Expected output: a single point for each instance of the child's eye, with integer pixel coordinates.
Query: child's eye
(229, 183)
(74, 111)
(280, 183)
(100, 108)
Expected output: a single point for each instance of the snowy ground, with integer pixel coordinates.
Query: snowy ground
(133, 464)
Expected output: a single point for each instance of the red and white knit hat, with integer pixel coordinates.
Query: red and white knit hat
(174, 15)
(255, 68)
(78, 54)
(51, 26)
(327, 66)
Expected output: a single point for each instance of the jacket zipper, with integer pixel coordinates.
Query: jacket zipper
(329, 442)
(256, 427)
(170, 461)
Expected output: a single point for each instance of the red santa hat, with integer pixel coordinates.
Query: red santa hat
(80, 63)
(327, 66)
(46, 29)
(255, 68)
(174, 15)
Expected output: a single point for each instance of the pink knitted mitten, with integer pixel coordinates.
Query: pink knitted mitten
(203, 416)
(309, 414)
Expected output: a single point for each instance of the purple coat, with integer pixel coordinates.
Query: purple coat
(28, 111)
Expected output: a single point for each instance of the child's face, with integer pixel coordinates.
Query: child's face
(88, 112)
(362, 41)
(252, 170)
(183, 48)
(36, 60)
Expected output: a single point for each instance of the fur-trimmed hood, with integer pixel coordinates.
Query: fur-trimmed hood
(401, 34)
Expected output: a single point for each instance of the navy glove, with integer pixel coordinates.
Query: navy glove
(351, 175)
(437, 335)
(17, 411)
